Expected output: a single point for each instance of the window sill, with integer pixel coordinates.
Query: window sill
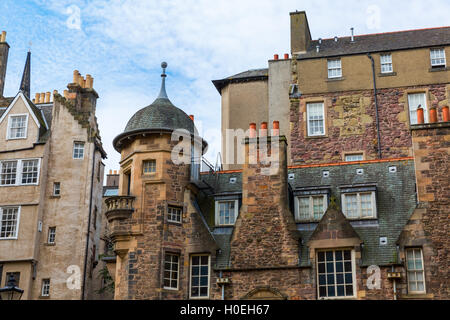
(24, 138)
(170, 289)
(387, 74)
(49, 244)
(335, 79)
(438, 69)
(176, 223)
(316, 137)
(418, 296)
(44, 297)
(55, 197)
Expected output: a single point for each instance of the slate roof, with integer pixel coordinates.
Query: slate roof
(249, 75)
(395, 203)
(380, 42)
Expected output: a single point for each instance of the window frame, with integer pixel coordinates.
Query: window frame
(444, 57)
(334, 68)
(190, 276)
(358, 197)
(425, 108)
(19, 172)
(384, 63)
(50, 229)
(310, 206)
(56, 187)
(16, 236)
(149, 161)
(171, 271)
(8, 131)
(169, 215)
(44, 285)
(422, 270)
(217, 212)
(308, 127)
(73, 150)
(352, 155)
(353, 264)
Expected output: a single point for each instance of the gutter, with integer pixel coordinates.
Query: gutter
(376, 104)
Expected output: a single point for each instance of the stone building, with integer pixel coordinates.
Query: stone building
(51, 177)
(346, 198)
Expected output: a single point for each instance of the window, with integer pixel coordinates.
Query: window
(386, 63)
(174, 214)
(51, 235)
(437, 58)
(8, 173)
(149, 166)
(354, 157)
(334, 68)
(78, 150)
(171, 271)
(415, 100)
(226, 212)
(30, 170)
(316, 119)
(45, 292)
(359, 205)
(9, 221)
(335, 273)
(17, 127)
(311, 208)
(19, 172)
(414, 266)
(57, 189)
(199, 286)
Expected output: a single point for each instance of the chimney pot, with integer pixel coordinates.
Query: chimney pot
(37, 97)
(276, 128)
(110, 171)
(3, 37)
(433, 115)
(420, 118)
(275, 57)
(192, 117)
(115, 171)
(252, 130)
(263, 130)
(75, 76)
(445, 114)
(286, 56)
(47, 97)
(42, 99)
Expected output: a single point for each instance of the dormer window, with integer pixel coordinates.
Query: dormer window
(311, 203)
(17, 126)
(359, 205)
(226, 212)
(437, 58)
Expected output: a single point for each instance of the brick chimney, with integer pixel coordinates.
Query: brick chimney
(300, 34)
(4, 50)
(265, 232)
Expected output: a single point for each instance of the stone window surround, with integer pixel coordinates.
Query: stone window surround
(45, 286)
(445, 58)
(406, 92)
(8, 131)
(175, 252)
(83, 148)
(19, 172)
(209, 275)
(177, 204)
(143, 165)
(423, 270)
(17, 221)
(391, 62)
(303, 111)
(355, 152)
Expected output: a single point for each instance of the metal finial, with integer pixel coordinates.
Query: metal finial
(162, 93)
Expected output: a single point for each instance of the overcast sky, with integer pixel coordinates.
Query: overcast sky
(122, 43)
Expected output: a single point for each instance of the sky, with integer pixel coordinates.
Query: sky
(122, 43)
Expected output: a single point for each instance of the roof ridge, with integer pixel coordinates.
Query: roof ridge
(387, 32)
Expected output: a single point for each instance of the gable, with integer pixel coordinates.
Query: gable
(27, 105)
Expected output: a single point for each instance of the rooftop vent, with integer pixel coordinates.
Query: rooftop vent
(320, 40)
(326, 174)
(317, 48)
(335, 39)
(291, 176)
(353, 34)
(233, 180)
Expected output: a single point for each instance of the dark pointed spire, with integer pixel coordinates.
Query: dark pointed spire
(25, 86)
(162, 93)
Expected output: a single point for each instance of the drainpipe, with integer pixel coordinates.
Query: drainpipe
(395, 286)
(223, 286)
(376, 103)
(86, 251)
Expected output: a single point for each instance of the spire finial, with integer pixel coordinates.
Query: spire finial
(25, 83)
(162, 93)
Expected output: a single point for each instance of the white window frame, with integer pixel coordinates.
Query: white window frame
(308, 113)
(386, 61)
(56, 187)
(15, 237)
(439, 50)
(178, 271)
(415, 270)
(45, 285)
(73, 149)
(50, 233)
(348, 157)
(169, 214)
(358, 199)
(411, 106)
(153, 166)
(190, 276)
(354, 284)
(332, 67)
(19, 172)
(311, 207)
(8, 134)
(236, 211)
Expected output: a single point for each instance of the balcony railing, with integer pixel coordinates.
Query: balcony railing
(119, 207)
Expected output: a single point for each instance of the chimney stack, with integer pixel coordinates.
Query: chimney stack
(4, 51)
(300, 34)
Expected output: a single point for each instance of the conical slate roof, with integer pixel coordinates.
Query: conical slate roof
(161, 115)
